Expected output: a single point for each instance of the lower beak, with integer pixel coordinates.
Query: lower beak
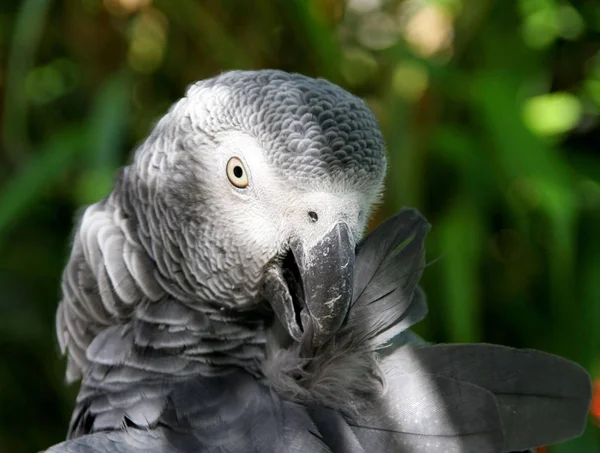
(311, 295)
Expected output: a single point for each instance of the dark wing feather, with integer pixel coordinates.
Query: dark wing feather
(428, 413)
(389, 263)
(335, 431)
(380, 244)
(542, 399)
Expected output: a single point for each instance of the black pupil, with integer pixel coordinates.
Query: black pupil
(237, 171)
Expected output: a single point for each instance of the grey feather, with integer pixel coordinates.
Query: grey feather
(336, 431)
(131, 441)
(251, 419)
(425, 413)
(389, 263)
(535, 405)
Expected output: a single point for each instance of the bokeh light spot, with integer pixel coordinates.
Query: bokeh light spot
(47, 83)
(544, 22)
(428, 29)
(125, 7)
(540, 28)
(378, 31)
(358, 66)
(552, 114)
(451, 5)
(410, 80)
(363, 6)
(571, 22)
(148, 41)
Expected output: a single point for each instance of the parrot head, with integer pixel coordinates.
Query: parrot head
(256, 186)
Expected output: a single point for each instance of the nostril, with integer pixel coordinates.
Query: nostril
(313, 216)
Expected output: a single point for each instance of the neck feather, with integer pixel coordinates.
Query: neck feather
(116, 281)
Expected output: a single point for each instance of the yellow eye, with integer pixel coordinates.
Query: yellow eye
(237, 173)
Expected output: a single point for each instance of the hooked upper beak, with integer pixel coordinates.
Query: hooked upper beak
(311, 290)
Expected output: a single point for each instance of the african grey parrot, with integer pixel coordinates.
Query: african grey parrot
(221, 299)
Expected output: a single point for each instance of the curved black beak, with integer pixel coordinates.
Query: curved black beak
(312, 290)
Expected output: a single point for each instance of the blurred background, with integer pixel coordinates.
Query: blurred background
(490, 110)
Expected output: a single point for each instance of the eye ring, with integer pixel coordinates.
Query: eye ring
(236, 173)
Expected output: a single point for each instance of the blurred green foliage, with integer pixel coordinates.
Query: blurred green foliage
(490, 110)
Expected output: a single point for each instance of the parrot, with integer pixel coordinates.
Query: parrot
(223, 298)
